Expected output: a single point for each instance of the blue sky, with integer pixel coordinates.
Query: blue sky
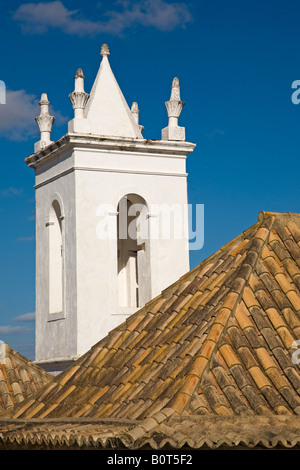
(236, 62)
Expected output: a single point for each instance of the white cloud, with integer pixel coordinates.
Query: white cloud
(39, 17)
(26, 317)
(26, 239)
(9, 330)
(215, 132)
(9, 192)
(17, 116)
(160, 14)
(13, 330)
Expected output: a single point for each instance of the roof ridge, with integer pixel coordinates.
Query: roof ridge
(282, 217)
(20, 379)
(13, 353)
(223, 315)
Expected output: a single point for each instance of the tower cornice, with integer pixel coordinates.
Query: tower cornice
(144, 146)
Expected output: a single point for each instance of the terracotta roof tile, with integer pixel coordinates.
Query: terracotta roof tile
(20, 379)
(215, 344)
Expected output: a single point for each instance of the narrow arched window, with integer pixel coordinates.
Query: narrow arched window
(133, 266)
(56, 264)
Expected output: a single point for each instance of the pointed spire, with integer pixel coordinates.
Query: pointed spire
(174, 107)
(79, 97)
(107, 111)
(44, 122)
(135, 112)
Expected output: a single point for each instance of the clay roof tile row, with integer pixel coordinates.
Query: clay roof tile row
(217, 345)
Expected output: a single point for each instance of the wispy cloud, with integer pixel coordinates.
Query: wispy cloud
(37, 18)
(17, 116)
(13, 330)
(214, 133)
(10, 192)
(26, 239)
(10, 333)
(26, 317)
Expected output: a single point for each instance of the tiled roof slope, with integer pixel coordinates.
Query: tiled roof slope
(20, 379)
(177, 432)
(216, 345)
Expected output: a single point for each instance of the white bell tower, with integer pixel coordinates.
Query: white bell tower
(111, 216)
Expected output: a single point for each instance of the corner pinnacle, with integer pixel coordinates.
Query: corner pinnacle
(104, 50)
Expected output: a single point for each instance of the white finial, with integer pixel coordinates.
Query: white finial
(104, 50)
(44, 122)
(175, 90)
(79, 80)
(79, 97)
(174, 107)
(135, 112)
